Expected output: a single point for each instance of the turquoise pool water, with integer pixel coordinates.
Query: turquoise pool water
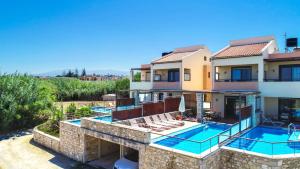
(262, 136)
(101, 118)
(100, 109)
(189, 140)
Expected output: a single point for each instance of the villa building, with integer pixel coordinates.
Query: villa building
(244, 84)
(255, 65)
(184, 69)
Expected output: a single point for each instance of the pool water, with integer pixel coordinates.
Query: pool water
(189, 140)
(266, 134)
(99, 109)
(101, 118)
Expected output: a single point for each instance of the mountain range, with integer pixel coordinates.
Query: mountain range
(88, 72)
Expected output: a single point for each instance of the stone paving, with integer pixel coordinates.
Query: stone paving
(20, 152)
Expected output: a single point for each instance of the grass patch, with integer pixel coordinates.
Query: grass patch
(49, 129)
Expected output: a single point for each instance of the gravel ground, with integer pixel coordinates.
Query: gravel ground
(18, 151)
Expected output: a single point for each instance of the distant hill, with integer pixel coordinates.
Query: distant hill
(89, 72)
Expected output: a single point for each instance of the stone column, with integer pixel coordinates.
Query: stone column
(251, 101)
(199, 98)
(155, 97)
(136, 98)
(165, 95)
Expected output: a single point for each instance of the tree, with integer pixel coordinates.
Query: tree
(83, 73)
(137, 77)
(76, 73)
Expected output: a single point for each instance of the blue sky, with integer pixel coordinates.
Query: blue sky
(39, 36)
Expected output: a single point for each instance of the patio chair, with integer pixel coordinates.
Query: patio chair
(151, 124)
(266, 120)
(164, 119)
(159, 122)
(171, 118)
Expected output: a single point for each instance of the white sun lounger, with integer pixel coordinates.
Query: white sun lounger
(170, 118)
(134, 123)
(151, 124)
(159, 122)
(164, 119)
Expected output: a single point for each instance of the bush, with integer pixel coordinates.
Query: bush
(71, 108)
(24, 101)
(83, 112)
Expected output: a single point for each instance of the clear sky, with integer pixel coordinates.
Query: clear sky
(44, 35)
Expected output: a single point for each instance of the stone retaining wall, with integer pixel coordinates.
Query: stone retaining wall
(71, 141)
(232, 159)
(46, 140)
(157, 158)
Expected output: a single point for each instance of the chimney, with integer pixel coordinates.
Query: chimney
(165, 53)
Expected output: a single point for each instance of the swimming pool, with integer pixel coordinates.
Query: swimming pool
(100, 109)
(100, 118)
(266, 140)
(194, 140)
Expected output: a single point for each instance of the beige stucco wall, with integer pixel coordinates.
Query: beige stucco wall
(144, 75)
(195, 63)
(271, 107)
(272, 68)
(218, 103)
(225, 71)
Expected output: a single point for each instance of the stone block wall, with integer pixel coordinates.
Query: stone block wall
(156, 158)
(233, 159)
(71, 141)
(117, 130)
(46, 140)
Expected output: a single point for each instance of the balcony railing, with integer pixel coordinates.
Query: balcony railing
(141, 80)
(280, 80)
(235, 85)
(231, 80)
(166, 85)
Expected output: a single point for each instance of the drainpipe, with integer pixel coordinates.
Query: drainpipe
(240, 113)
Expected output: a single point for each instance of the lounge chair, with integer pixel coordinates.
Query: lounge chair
(164, 119)
(134, 123)
(151, 124)
(170, 118)
(160, 122)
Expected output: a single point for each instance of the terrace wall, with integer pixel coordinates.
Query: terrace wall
(233, 159)
(46, 140)
(127, 114)
(71, 141)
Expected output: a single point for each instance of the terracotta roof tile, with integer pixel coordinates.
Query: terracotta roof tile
(242, 50)
(178, 54)
(284, 56)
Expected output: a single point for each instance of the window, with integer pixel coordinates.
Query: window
(241, 74)
(157, 77)
(205, 58)
(187, 74)
(148, 76)
(289, 73)
(173, 75)
(258, 103)
(208, 74)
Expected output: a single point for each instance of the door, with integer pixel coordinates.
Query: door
(230, 105)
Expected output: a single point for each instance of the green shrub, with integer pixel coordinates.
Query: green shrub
(25, 101)
(71, 108)
(83, 112)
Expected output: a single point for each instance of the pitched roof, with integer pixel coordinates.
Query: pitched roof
(178, 54)
(284, 56)
(244, 47)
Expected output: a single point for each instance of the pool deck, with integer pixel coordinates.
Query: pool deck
(187, 124)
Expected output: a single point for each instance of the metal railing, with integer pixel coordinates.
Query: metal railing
(231, 80)
(205, 146)
(265, 147)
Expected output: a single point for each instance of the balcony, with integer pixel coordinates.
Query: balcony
(236, 85)
(166, 85)
(141, 85)
(280, 88)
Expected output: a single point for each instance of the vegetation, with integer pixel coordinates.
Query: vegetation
(26, 101)
(137, 77)
(70, 89)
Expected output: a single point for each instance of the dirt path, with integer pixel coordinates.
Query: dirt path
(20, 152)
